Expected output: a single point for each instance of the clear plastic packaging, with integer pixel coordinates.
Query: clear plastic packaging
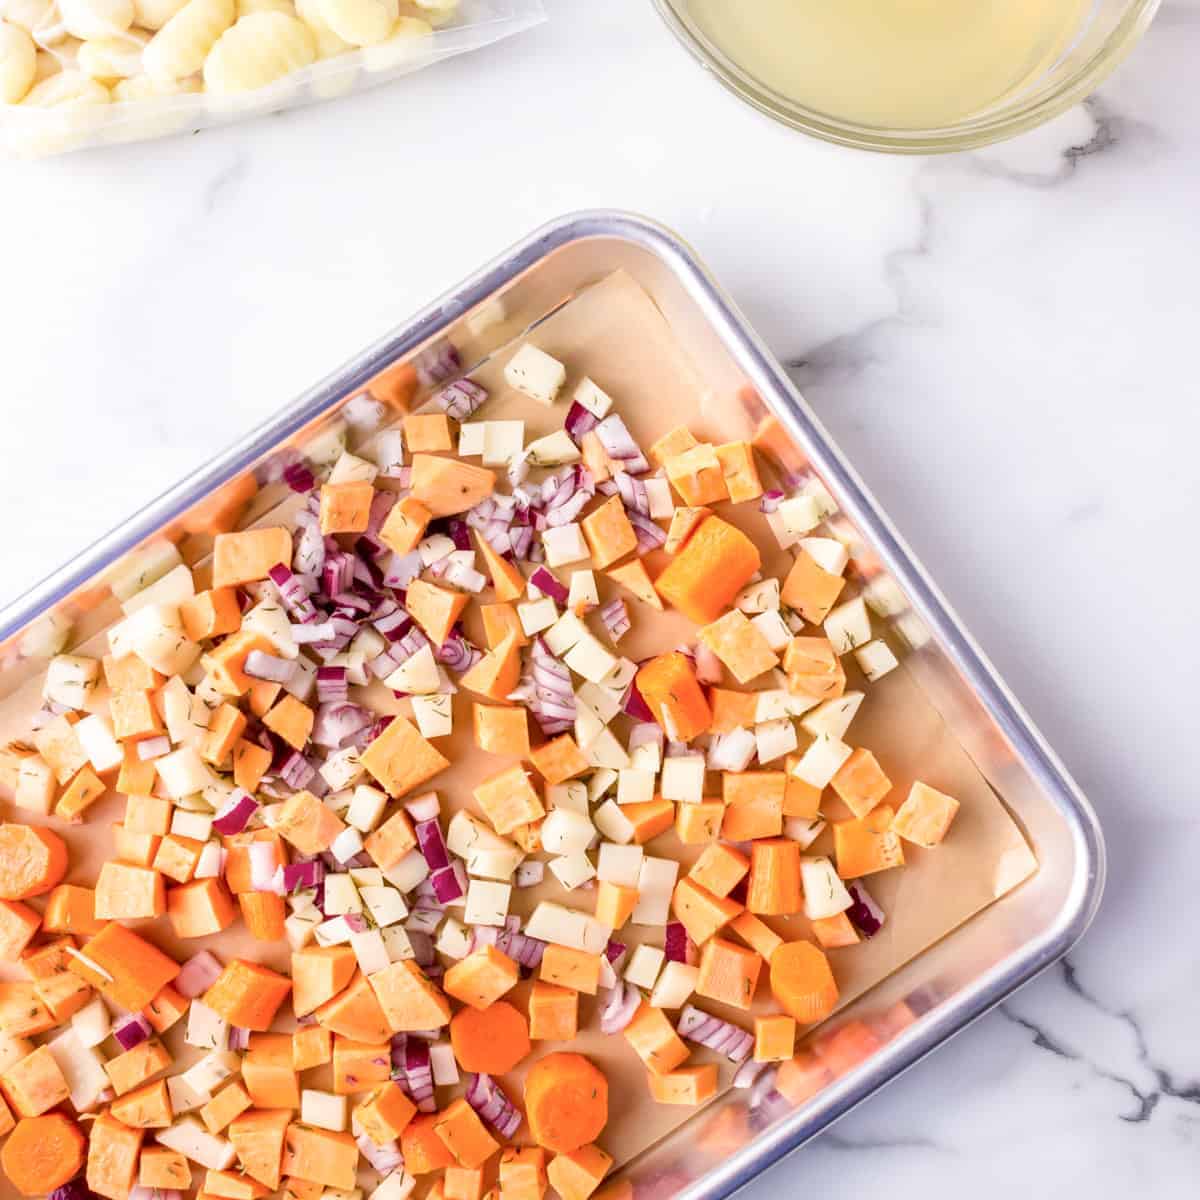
(29, 131)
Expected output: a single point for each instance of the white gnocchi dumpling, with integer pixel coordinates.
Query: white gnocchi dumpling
(154, 14)
(180, 47)
(113, 58)
(67, 89)
(360, 22)
(403, 43)
(88, 19)
(28, 14)
(329, 45)
(246, 7)
(145, 87)
(18, 63)
(256, 51)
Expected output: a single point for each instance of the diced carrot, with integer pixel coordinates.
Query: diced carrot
(502, 730)
(131, 970)
(571, 968)
(358, 1066)
(463, 1183)
(649, 818)
(834, 932)
(22, 1013)
(80, 794)
(318, 974)
(715, 564)
(18, 924)
(802, 1077)
(312, 1046)
(250, 764)
(226, 664)
(268, 1074)
(774, 888)
(499, 620)
(249, 556)
(321, 1156)
(523, 1173)
(739, 470)
(925, 816)
(409, 1001)
(308, 824)
(404, 526)
(654, 1040)
(200, 908)
(177, 857)
(687, 1085)
(132, 1068)
(560, 759)
(480, 979)
(71, 909)
(435, 609)
(230, 1102)
(258, 1138)
(813, 668)
(844, 1048)
(32, 861)
(669, 687)
(424, 1152)
(733, 710)
(507, 582)
(575, 1176)
(861, 783)
(386, 1113)
(446, 486)
(356, 1012)
(566, 1101)
(774, 1037)
(615, 902)
(264, 914)
(728, 973)
(609, 534)
(247, 994)
(164, 1169)
(867, 844)
(167, 1008)
(633, 576)
(696, 824)
(720, 869)
(137, 849)
(292, 720)
(146, 1107)
(346, 507)
(43, 1153)
(34, 1084)
(684, 522)
(464, 1134)
(125, 893)
(553, 1012)
(207, 615)
(508, 799)
(392, 840)
(225, 728)
(810, 590)
(497, 673)
(802, 982)
(134, 716)
(401, 759)
(700, 912)
(696, 475)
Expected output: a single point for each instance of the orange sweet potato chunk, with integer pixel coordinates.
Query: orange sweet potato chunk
(446, 486)
(400, 759)
(132, 971)
(356, 1013)
(671, 691)
(509, 800)
(409, 1001)
(925, 816)
(247, 994)
(404, 526)
(609, 534)
(728, 973)
(714, 565)
(867, 844)
(435, 609)
(248, 556)
(482, 978)
(654, 1040)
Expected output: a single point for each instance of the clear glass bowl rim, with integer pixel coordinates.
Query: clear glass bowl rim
(1022, 115)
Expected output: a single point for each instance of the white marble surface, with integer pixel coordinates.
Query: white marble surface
(1003, 342)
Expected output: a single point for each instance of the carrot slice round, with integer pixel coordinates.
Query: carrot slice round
(566, 1101)
(42, 1153)
(491, 1040)
(32, 861)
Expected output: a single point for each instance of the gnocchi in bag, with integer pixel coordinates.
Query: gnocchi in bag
(77, 73)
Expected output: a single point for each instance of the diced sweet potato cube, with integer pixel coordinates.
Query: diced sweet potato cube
(231, 1185)
(112, 1160)
(307, 823)
(435, 609)
(133, 1067)
(200, 908)
(34, 1084)
(609, 534)
(802, 1077)
(774, 1037)
(250, 764)
(739, 644)
(401, 759)
(312, 1046)
(507, 582)
(404, 526)
(732, 710)
(728, 973)
(632, 575)
(268, 1074)
(137, 849)
(696, 475)
(482, 978)
(166, 1009)
(423, 1150)
(649, 818)
(696, 824)
(553, 1012)
(754, 805)
(230, 1102)
(688, 1085)
(134, 971)
(164, 1169)
(844, 1048)
(321, 1156)
(501, 730)
(133, 716)
(258, 1138)
(18, 924)
(559, 759)
(673, 443)
(925, 816)
(146, 1107)
(464, 1134)
(567, 967)
(359, 1066)
(291, 720)
(392, 840)
(861, 783)
(523, 1173)
(249, 555)
(129, 674)
(714, 565)
(720, 869)
(834, 932)
(247, 994)
(63, 994)
(810, 590)
(346, 507)
(225, 728)
(813, 668)
(654, 1039)
(499, 620)
(497, 673)
(71, 909)
(509, 799)
(226, 665)
(700, 912)
(739, 471)
(355, 1012)
(462, 1183)
(427, 431)
(774, 888)
(409, 1001)
(263, 914)
(22, 1013)
(125, 893)
(177, 857)
(759, 936)
(867, 844)
(79, 795)
(209, 614)
(575, 1176)
(386, 1113)
(615, 902)
(446, 486)
(318, 974)
(135, 777)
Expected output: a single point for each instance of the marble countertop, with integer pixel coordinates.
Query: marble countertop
(998, 340)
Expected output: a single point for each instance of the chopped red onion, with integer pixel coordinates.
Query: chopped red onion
(447, 885)
(616, 439)
(316, 631)
(770, 501)
(433, 847)
(517, 469)
(196, 975)
(554, 698)
(418, 1073)
(530, 874)
(677, 945)
(613, 951)
(457, 653)
(623, 1002)
(616, 619)
(545, 582)
(748, 1072)
(385, 1159)
(492, 1105)
(309, 554)
(299, 477)
(296, 770)
(422, 947)
(132, 1031)
(708, 665)
(763, 1091)
(293, 593)
(337, 722)
(239, 1038)
(332, 685)
(461, 399)
(579, 421)
(77, 1189)
(722, 1036)
(649, 535)
(269, 667)
(401, 569)
(633, 493)
(864, 912)
(234, 815)
(297, 877)
(635, 706)
(524, 949)
(155, 747)
(264, 862)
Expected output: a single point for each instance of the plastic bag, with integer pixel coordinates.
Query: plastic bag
(33, 132)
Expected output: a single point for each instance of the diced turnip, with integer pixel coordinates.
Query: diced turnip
(590, 659)
(771, 704)
(206, 1029)
(876, 659)
(366, 807)
(535, 374)
(92, 1023)
(759, 597)
(471, 436)
(95, 734)
(833, 717)
(335, 931)
(656, 883)
(325, 448)
(342, 769)
(70, 680)
(418, 674)
(564, 544)
(800, 514)
(434, 715)
(828, 553)
(494, 864)
(582, 594)
(454, 939)
(443, 1064)
(554, 450)
(349, 468)
(774, 739)
(773, 628)
(323, 1109)
(399, 944)
(183, 1098)
(299, 929)
(502, 442)
(174, 587)
(341, 896)
(573, 870)
(46, 636)
(884, 597)
(434, 548)
(635, 786)
(820, 762)
(537, 615)
(588, 395)
(369, 950)
(563, 926)
(675, 985)
(487, 902)
(82, 1068)
(271, 620)
(683, 778)
(601, 699)
(566, 832)
(208, 1073)
(572, 796)
(566, 631)
(612, 823)
(385, 904)
(644, 966)
(399, 1185)
(803, 830)
(193, 1141)
(600, 782)
(143, 567)
(658, 496)
(183, 772)
(196, 825)
(825, 894)
(605, 751)
(848, 625)
(619, 864)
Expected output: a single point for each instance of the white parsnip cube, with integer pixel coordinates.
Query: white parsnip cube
(537, 615)
(833, 717)
(656, 883)
(773, 629)
(605, 751)
(95, 734)
(675, 985)
(590, 659)
(434, 715)
(876, 659)
(848, 626)
(582, 594)
(471, 439)
(70, 680)
(759, 597)
(825, 894)
(683, 778)
(567, 927)
(644, 966)
(803, 830)
(571, 795)
(385, 904)
(589, 396)
(193, 1141)
(183, 772)
(828, 553)
(564, 544)
(619, 864)
(502, 442)
(800, 514)
(658, 496)
(566, 631)
(341, 896)
(554, 450)
(613, 823)
(565, 831)
(487, 902)
(535, 374)
(635, 786)
(573, 870)
(774, 739)
(323, 1109)
(454, 939)
(369, 950)
(820, 762)
(366, 807)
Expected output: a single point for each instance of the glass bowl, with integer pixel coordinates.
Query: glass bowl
(1112, 29)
